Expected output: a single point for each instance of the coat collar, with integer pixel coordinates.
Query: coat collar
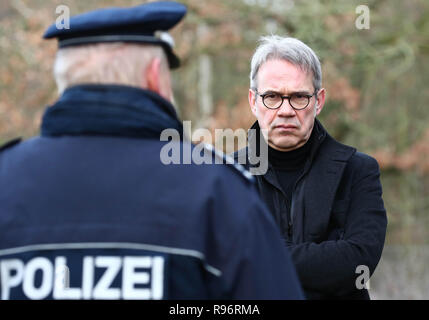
(114, 110)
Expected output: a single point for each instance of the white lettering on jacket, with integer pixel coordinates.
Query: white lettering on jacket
(142, 277)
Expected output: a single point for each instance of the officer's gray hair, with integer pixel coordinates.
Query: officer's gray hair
(105, 63)
(289, 49)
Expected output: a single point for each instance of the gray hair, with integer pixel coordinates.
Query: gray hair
(105, 63)
(289, 49)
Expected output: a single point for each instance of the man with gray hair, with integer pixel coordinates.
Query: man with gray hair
(324, 196)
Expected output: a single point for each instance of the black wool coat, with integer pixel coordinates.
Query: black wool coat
(336, 227)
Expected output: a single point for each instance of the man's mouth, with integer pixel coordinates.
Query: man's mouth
(288, 127)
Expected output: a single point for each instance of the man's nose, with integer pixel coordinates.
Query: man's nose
(286, 110)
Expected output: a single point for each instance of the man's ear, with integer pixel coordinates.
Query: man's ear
(252, 101)
(320, 102)
(153, 75)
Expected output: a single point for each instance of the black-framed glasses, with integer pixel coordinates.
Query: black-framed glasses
(274, 100)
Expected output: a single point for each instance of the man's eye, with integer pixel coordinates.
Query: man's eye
(271, 96)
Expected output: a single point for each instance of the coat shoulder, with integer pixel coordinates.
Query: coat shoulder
(231, 162)
(351, 155)
(363, 157)
(240, 157)
(10, 144)
(337, 150)
(358, 164)
(239, 153)
(363, 160)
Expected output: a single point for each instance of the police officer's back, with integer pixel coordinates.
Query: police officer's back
(88, 210)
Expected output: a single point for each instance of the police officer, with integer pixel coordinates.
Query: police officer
(89, 211)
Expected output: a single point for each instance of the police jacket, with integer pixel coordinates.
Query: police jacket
(89, 211)
(336, 226)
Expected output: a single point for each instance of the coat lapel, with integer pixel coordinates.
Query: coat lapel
(322, 184)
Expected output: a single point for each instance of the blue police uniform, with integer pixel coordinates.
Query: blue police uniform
(89, 211)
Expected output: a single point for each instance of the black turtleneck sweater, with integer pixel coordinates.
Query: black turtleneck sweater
(288, 166)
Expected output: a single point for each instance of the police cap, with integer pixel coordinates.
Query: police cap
(146, 23)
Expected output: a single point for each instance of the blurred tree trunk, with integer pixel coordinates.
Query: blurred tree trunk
(205, 96)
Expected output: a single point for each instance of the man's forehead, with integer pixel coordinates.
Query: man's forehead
(281, 74)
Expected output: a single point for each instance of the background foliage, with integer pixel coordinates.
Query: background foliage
(376, 79)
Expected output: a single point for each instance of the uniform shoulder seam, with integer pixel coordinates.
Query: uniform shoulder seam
(231, 163)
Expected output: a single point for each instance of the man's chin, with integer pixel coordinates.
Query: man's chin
(283, 145)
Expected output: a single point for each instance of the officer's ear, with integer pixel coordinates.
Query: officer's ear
(153, 75)
(158, 79)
